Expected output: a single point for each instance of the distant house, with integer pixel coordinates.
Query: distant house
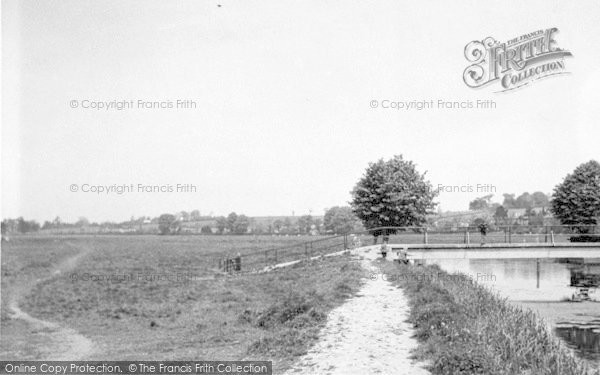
(516, 213)
(540, 211)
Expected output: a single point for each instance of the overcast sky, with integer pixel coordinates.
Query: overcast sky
(283, 121)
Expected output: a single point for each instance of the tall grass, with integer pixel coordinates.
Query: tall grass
(463, 328)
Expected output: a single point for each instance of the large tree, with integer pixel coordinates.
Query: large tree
(392, 193)
(577, 199)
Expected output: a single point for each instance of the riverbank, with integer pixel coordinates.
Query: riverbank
(463, 328)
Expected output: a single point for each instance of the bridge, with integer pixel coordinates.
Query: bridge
(499, 251)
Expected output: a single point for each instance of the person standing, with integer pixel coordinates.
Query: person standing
(483, 229)
(384, 249)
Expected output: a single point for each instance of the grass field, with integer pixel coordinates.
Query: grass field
(153, 297)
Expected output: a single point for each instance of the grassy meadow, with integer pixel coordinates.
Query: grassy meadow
(162, 297)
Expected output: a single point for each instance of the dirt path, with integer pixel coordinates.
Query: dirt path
(366, 335)
(64, 343)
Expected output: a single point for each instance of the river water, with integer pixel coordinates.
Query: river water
(545, 287)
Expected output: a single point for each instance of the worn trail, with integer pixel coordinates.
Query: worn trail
(368, 334)
(64, 343)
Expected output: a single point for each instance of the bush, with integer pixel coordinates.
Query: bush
(293, 306)
(584, 238)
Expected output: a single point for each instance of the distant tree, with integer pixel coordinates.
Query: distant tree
(509, 201)
(318, 224)
(185, 216)
(304, 224)
(478, 221)
(259, 228)
(392, 193)
(482, 203)
(540, 199)
(231, 219)
(23, 226)
(536, 220)
(5, 227)
(277, 225)
(500, 215)
(287, 227)
(576, 200)
(195, 215)
(83, 222)
(524, 200)
(206, 229)
(167, 224)
(340, 220)
(240, 226)
(222, 224)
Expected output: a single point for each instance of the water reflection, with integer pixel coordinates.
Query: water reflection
(516, 279)
(585, 340)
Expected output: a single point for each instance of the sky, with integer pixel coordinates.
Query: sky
(283, 121)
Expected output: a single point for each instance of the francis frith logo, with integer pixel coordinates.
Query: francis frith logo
(514, 63)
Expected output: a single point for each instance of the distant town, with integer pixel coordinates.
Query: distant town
(523, 210)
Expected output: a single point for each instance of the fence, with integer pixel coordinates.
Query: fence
(258, 260)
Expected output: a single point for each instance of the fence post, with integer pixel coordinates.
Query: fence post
(545, 234)
(425, 236)
(552, 236)
(537, 272)
(468, 237)
(238, 262)
(510, 234)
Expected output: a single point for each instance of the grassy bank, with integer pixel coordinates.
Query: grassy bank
(463, 328)
(271, 316)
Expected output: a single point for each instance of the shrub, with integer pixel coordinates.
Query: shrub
(584, 238)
